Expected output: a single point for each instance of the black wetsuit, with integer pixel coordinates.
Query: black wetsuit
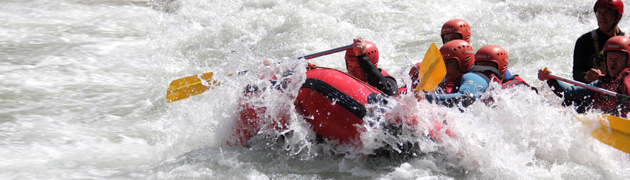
(585, 51)
(375, 77)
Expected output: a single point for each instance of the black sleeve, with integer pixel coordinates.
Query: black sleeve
(575, 95)
(556, 87)
(582, 56)
(375, 78)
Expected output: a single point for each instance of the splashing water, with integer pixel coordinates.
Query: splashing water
(522, 135)
(84, 84)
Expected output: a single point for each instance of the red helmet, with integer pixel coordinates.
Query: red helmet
(370, 51)
(414, 73)
(351, 59)
(496, 54)
(618, 43)
(460, 50)
(609, 4)
(457, 26)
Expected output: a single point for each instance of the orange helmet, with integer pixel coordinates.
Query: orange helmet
(456, 26)
(460, 50)
(351, 59)
(620, 44)
(496, 54)
(609, 4)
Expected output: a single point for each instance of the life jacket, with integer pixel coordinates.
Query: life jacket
(611, 104)
(490, 74)
(487, 73)
(516, 80)
(451, 86)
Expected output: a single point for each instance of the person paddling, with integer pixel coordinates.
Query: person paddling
(459, 85)
(588, 64)
(362, 63)
(490, 58)
(616, 53)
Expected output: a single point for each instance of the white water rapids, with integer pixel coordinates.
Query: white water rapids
(83, 88)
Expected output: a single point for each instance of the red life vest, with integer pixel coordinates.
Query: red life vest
(451, 86)
(495, 79)
(515, 81)
(612, 105)
(508, 83)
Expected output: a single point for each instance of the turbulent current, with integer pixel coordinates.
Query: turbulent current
(83, 87)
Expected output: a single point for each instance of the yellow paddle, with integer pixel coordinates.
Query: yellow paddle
(432, 69)
(615, 131)
(193, 85)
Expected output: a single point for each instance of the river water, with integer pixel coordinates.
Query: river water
(84, 83)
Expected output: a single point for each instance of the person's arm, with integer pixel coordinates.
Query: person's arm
(581, 57)
(375, 78)
(471, 87)
(570, 92)
(626, 97)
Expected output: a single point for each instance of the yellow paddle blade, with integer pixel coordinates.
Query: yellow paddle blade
(189, 86)
(617, 123)
(432, 69)
(614, 131)
(614, 138)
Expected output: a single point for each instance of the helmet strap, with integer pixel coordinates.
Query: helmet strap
(615, 24)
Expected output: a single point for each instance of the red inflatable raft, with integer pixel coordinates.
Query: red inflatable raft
(336, 102)
(332, 101)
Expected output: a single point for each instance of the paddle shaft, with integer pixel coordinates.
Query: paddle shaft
(192, 85)
(314, 55)
(323, 53)
(593, 88)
